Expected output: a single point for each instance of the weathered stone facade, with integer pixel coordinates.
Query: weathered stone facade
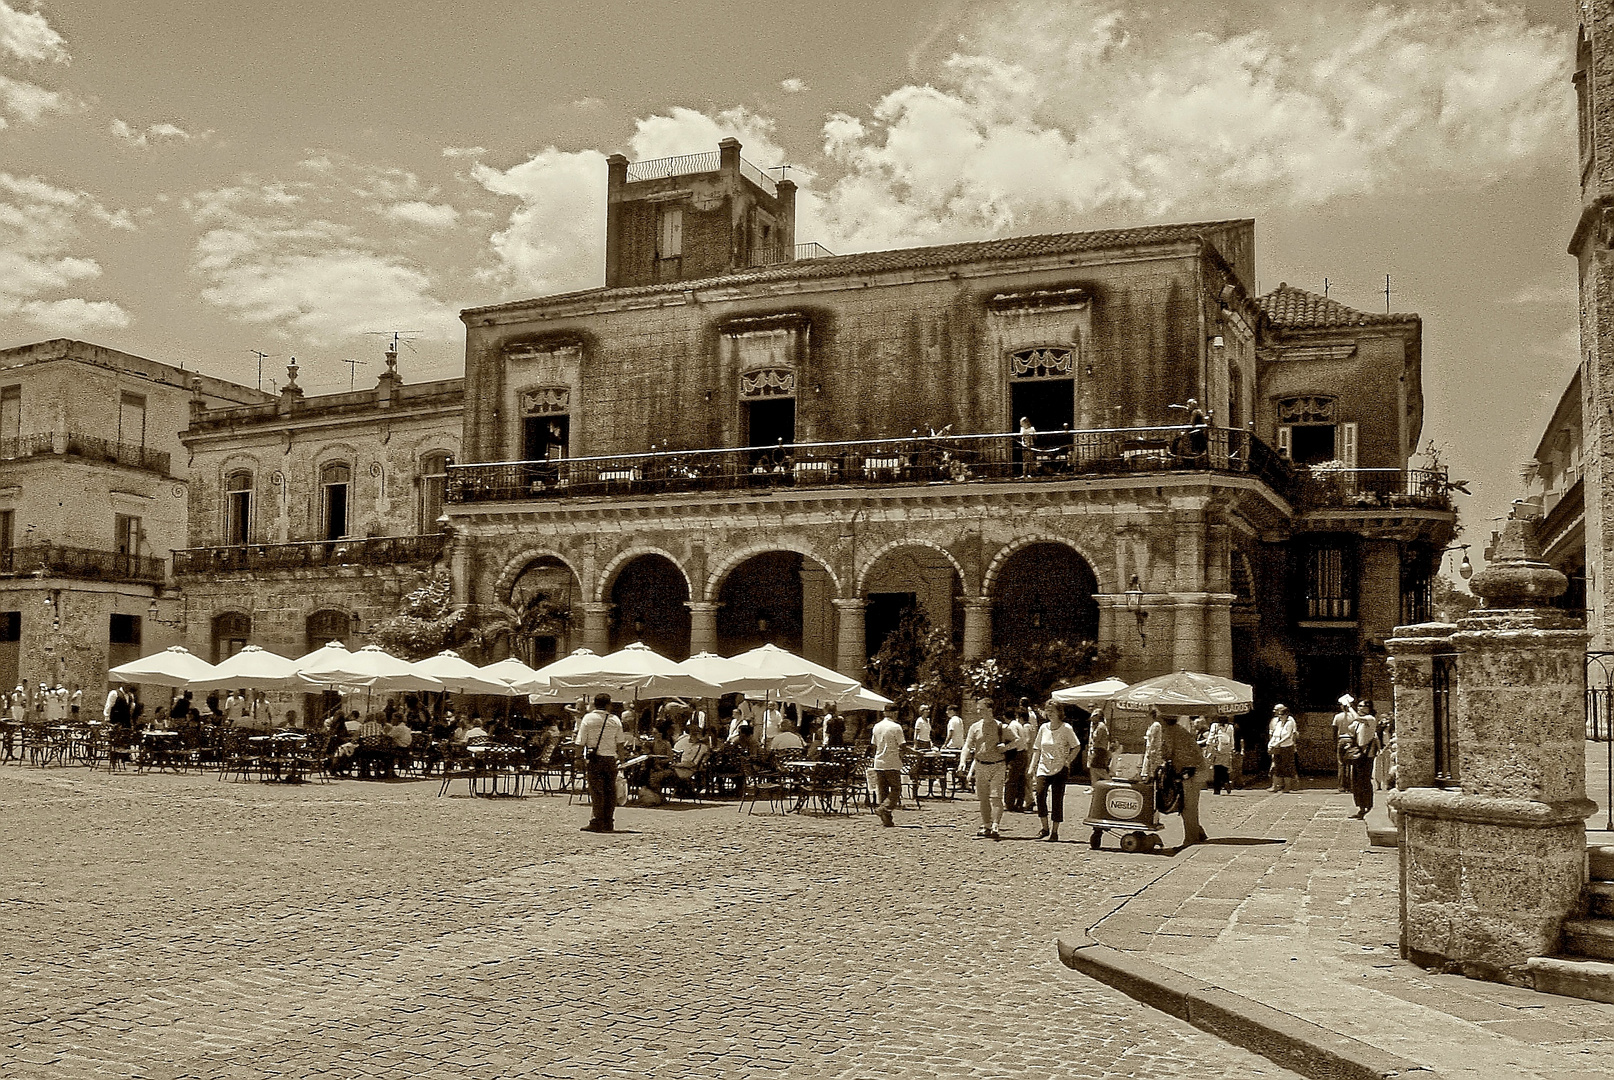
(93, 494)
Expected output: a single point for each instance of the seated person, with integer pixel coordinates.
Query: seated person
(680, 773)
(345, 755)
(291, 720)
(745, 744)
(541, 747)
(353, 723)
(786, 741)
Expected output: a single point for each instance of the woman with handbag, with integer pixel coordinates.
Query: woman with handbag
(1357, 749)
(1098, 750)
(1219, 745)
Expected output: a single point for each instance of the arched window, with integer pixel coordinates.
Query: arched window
(231, 632)
(433, 479)
(238, 508)
(334, 481)
(326, 626)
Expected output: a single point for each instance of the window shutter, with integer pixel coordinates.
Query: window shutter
(1286, 440)
(1347, 445)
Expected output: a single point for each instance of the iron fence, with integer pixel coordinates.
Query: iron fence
(57, 560)
(939, 459)
(364, 551)
(87, 446)
(1336, 489)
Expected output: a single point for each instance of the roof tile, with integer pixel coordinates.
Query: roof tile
(1289, 307)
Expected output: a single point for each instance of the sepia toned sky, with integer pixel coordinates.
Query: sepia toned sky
(192, 181)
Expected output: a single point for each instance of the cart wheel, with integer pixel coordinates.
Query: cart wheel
(1096, 840)
(1154, 842)
(1132, 842)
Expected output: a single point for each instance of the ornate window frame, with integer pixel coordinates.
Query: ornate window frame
(1042, 362)
(544, 400)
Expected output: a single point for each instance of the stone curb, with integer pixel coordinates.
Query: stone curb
(1295, 1044)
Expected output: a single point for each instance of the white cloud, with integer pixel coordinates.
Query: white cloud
(553, 241)
(682, 131)
(429, 215)
(154, 133)
(1556, 294)
(290, 254)
(464, 151)
(42, 227)
(1085, 107)
(793, 86)
(30, 102)
(27, 35)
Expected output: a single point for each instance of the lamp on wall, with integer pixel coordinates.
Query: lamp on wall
(154, 613)
(1465, 568)
(1134, 604)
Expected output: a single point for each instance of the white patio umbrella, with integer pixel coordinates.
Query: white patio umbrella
(862, 698)
(459, 676)
(732, 677)
(509, 671)
(372, 667)
(323, 653)
(637, 670)
(1088, 696)
(174, 666)
(253, 667)
(801, 678)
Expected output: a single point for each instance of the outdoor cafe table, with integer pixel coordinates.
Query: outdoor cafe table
(810, 776)
(939, 764)
(283, 760)
(492, 762)
(159, 748)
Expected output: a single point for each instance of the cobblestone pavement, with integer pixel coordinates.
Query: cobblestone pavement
(163, 926)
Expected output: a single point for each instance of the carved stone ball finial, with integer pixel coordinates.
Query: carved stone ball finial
(1516, 576)
(291, 374)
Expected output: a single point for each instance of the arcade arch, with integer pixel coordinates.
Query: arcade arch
(1040, 593)
(650, 595)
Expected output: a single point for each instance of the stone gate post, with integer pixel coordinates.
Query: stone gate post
(1493, 862)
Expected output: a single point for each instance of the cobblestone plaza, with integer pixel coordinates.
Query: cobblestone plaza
(176, 926)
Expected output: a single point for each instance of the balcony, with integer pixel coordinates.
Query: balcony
(361, 551)
(90, 447)
(84, 564)
(943, 459)
(1372, 490)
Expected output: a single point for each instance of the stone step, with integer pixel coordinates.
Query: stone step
(1601, 860)
(1600, 899)
(1591, 980)
(1592, 938)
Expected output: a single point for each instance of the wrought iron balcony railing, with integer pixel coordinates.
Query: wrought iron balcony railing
(361, 551)
(1318, 488)
(93, 447)
(942, 459)
(91, 564)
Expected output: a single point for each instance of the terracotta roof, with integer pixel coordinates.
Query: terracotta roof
(1288, 306)
(871, 262)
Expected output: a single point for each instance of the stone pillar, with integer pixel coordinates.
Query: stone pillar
(1188, 631)
(1219, 634)
(1491, 869)
(817, 619)
(1413, 654)
(597, 627)
(851, 657)
(702, 626)
(977, 627)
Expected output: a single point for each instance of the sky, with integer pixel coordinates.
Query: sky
(194, 183)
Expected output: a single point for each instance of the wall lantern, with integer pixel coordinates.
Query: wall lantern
(1134, 604)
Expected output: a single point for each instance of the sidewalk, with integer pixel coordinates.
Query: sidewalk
(1309, 927)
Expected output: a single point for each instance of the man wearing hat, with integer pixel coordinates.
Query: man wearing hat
(1342, 730)
(1281, 734)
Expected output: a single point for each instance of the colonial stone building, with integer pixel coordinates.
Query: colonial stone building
(311, 517)
(710, 452)
(93, 493)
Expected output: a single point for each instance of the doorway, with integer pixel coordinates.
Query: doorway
(768, 422)
(1050, 404)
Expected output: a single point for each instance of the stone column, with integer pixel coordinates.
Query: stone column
(1491, 869)
(597, 627)
(702, 626)
(1219, 634)
(977, 627)
(1188, 631)
(851, 657)
(817, 621)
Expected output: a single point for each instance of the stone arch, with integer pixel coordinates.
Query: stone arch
(649, 595)
(517, 564)
(714, 580)
(607, 577)
(881, 552)
(1020, 543)
(1041, 596)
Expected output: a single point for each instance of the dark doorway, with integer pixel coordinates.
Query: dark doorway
(884, 612)
(650, 594)
(544, 438)
(769, 422)
(1310, 444)
(1050, 404)
(761, 604)
(1044, 593)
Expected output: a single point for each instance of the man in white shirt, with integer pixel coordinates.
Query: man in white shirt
(887, 765)
(772, 722)
(955, 729)
(234, 706)
(600, 735)
(986, 743)
(786, 739)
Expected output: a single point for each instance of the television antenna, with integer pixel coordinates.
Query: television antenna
(399, 337)
(353, 369)
(262, 356)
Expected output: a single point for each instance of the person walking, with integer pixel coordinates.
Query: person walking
(1359, 749)
(1281, 733)
(1022, 728)
(1098, 749)
(1180, 751)
(986, 745)
(887, 765)
(1220, 743)
(600, 735)
(1342, 726)
(1053, 749)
